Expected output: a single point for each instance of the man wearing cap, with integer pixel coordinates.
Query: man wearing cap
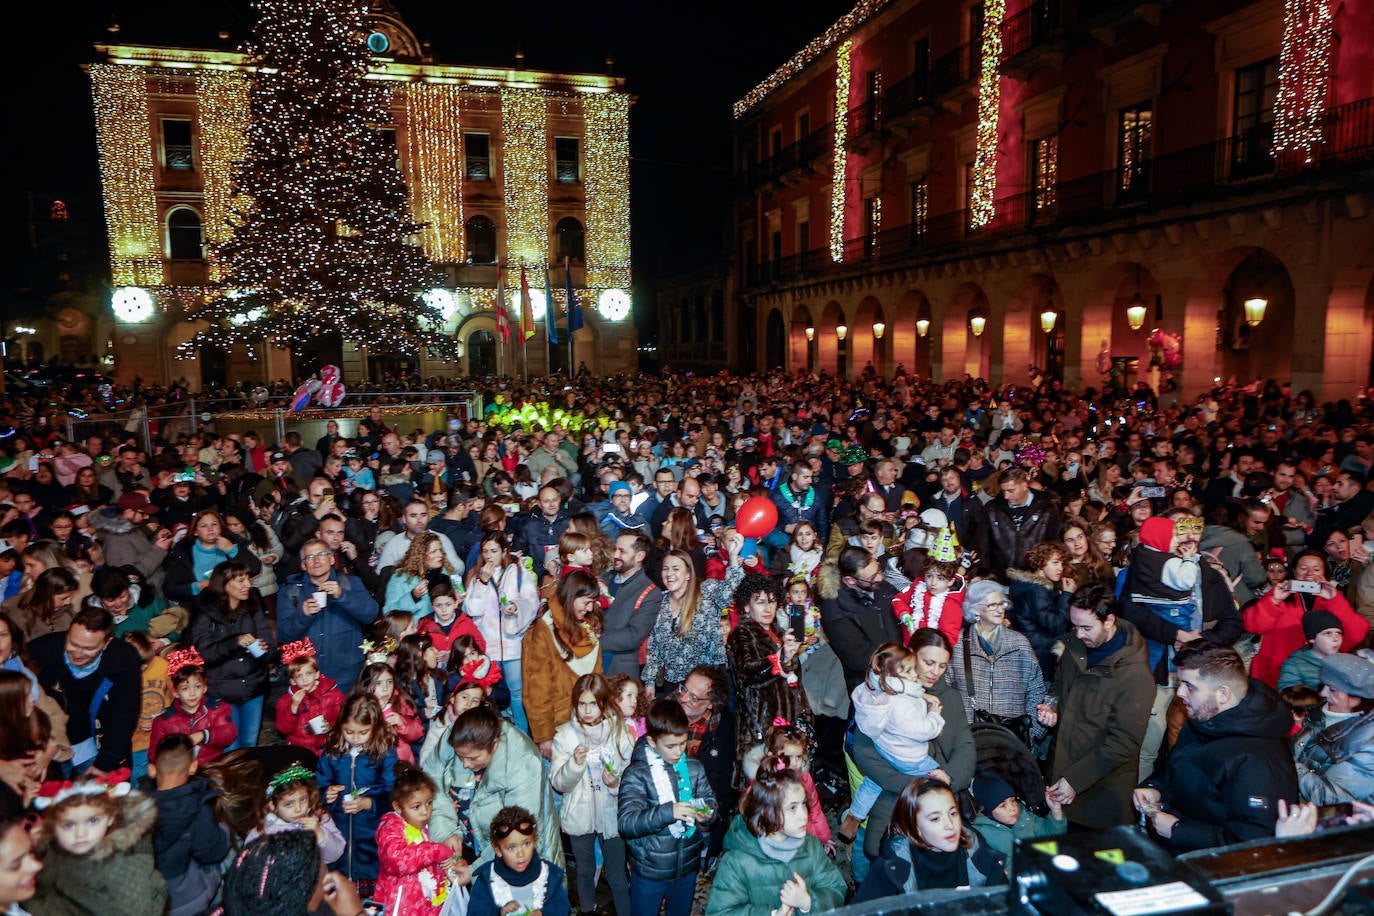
(1335, 760)
(119, 529)
(1224, 778)
(619, 517)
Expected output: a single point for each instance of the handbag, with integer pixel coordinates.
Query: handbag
(1020, 726)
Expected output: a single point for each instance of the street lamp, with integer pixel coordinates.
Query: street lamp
(878, 329)
(1135, 313)
(977, 323)
(1047, 319)
(1254, 310)
(923, 326)
(841, 331)
(810, 333)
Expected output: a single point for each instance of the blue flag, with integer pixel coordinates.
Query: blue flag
(550, 309)
(574, 310)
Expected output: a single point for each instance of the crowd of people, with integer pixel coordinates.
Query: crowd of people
(751, 628)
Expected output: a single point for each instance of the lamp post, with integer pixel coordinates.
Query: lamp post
(878, 329)
(1254, 310)
(922, 326)
(976, 324)
(1047, 319)
(1135, 313)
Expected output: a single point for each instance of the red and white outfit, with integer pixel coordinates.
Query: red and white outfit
(409, 879)
(917, 606)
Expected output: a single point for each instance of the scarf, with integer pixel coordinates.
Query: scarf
(807, 500)
(934, 869)
(580, 664)
(504, 880)
(783, 849)
(804, 562)
(926, 608)
(663, 788)
(82, 672)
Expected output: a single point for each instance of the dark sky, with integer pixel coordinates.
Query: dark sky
(686, 62)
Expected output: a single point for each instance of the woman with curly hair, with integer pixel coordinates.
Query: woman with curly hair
(1040, 593)
(763, 657)
(424, 562)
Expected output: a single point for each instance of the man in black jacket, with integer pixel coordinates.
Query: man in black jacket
(1231, 765)
(99, 683)
(856, 612)
(1013, 523)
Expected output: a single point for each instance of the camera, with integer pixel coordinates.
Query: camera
(1305, 588)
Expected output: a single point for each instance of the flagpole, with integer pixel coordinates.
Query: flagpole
(572, 361)
(550, 314)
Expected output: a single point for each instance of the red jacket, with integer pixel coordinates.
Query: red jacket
(1280, 623)
(213, 716)
(462, 624)
(913, 608)
(411, 729)
(325, 700)
(400, 866)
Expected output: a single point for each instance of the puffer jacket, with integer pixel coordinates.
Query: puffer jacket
(1336, 764)
(189, 845)
(325, 700)
(655, 854)
(1040, 610)
(589, 805)
(893, 874)
(212, 716)
(235, 675)
(1103, 711)
(118, 876)
(1224, 777)
(748, 881)
(336, 631)
(125, 544)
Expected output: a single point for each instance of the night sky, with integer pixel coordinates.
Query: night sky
(686, 63)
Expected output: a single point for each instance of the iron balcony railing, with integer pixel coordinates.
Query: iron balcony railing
(1031, 27)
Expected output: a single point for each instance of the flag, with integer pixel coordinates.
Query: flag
(502, 322)
(574, 310)
(526, 307)
(550, 311)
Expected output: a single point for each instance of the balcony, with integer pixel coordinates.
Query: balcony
(907, 105)
(791, 163)
(1212, 172)
(1033, 39)
(1105, 20)
(954, 77)
(864, 127)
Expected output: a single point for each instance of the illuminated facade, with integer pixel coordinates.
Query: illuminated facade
(982, 187)
(505, 168)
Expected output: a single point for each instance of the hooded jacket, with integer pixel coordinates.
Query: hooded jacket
(1224, 777)
(748, 880)
(644, 822)
(125, 544)
(1040, 610)
(1103, 712)
(235, 675)
(118, 876)
(189, 844)
(892, 875)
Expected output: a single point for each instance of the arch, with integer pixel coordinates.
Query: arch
(703, 327)
(480, 231)
(965, 351)
(1106, 324)
(866, 347)
(1024, 341)
(1267, 350)
(832, 354)
(802, 351)
(908, 348)
(572, 240)
(185, 235)
(481, 346)
(775, 341)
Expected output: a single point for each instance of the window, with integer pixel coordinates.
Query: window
(975, 38)
(184, 241)
(803, 241)
(775, 244)
(178, 154)
(873, 225)
(775, 142)
(477, 157)
(1252, 122)
(874, 98)
(567, 162)
(571, 239)
(1044, 171)
(1134, 147)
(920, 208)
(803, 125)
(481, 235)
(920, 70)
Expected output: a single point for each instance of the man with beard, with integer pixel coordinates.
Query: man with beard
(1223, 780)
(634, 605)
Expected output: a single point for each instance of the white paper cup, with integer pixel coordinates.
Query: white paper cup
(318, 725)
(321, 599)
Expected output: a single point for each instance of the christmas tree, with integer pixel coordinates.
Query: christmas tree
(324, 242)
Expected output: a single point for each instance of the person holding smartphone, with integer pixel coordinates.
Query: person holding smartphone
(1278, 614)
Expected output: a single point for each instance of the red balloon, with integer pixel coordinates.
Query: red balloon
(757, 517)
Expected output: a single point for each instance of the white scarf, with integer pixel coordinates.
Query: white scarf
(663, 787)
(501, 890)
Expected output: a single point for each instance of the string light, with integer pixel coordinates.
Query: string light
(127, 175)
(433, 119)
(813, 50)
(222, 112)
(1304, 70)
(526, 163)
(839, 155)
(606, 120)
(983, 205)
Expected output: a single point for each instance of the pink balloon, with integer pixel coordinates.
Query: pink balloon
(757, 517)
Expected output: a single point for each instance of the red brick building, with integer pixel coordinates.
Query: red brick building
(985, 186)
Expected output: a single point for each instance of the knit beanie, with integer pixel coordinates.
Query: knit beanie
(990, 791)
(1313, 622)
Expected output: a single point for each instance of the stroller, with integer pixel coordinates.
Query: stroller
(1000, 752)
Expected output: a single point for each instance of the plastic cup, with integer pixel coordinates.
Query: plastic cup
(321, 599)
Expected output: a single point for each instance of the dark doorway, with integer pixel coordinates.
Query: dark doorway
(776, 341)
(481, 353)
(214, 367)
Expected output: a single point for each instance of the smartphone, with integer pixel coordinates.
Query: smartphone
(796, 621)
(611, 448)
(1305, 588)
(1334, 815)
(33, 463)
(1152, 492)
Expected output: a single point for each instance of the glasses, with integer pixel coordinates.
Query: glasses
(323, 555)
(501, 831)
(685, 694)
